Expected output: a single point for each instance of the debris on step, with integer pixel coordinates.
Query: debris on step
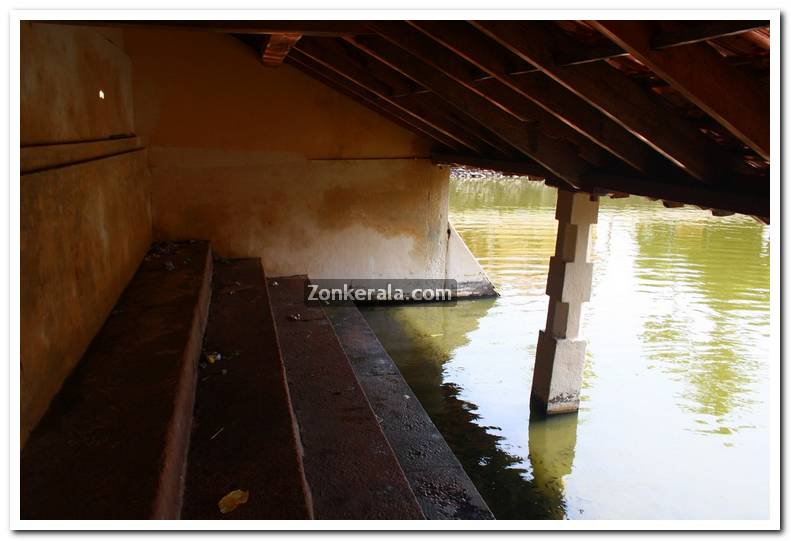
(298, 317)
(233, 500)
(169, 266)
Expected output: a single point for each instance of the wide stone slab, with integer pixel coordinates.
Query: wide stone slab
(113, 442)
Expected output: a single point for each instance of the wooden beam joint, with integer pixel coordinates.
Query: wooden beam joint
(277, 48)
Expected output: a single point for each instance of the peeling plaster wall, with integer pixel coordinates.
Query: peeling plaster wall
(327, 218)
(85, 203)
(268, 162)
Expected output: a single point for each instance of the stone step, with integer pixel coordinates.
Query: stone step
(244, 435)
(349, 465)
(443, 488)
(113, 443)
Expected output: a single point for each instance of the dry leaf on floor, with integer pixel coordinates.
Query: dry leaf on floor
(232, 500)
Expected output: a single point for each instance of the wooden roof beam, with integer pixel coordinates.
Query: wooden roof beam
(523, 168)
(494, 145)
(331, 55)
(696, 31)
(368, 99)
(689, 32)
(690, 192)
(429, 105)
(458, 69)
(752, 204)
(479, 50)
(615, 95)
(455, 67)
(556, 155)
(277, 47)
(704, 77)
(305, 28)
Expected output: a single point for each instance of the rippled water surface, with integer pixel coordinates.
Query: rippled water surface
(674, 413)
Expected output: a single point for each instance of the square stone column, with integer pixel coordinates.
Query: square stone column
(560, 354)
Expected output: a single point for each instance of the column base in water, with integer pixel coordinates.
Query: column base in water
(557, 376)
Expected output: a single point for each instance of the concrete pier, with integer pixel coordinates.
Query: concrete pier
(560, 353)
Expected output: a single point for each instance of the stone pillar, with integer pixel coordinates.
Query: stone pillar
(560, 353)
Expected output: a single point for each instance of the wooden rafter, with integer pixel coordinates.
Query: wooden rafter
(434, 83)
(431, 102)
(696, 31)
(329, 54)
(455, 67)
(370, 100)
(420, 106)
(556, 155)
(277, 47)
(471, 45)
(615, 95)
(701, 75)
(305, 28)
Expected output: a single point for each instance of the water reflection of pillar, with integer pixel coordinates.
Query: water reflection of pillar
(560, 353)
(551, 444)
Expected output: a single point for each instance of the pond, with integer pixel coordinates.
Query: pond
(674, 414)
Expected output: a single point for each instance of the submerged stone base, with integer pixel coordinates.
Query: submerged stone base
(461, 265)
(557, 377)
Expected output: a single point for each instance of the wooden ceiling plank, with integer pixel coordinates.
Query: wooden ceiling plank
(704, 77)
(556, 155)
(615, 95)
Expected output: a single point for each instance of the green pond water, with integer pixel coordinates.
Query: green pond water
(673, 422)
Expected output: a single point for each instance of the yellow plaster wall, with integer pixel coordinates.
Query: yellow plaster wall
(267, 162)
(63, 68)
(84, 226)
